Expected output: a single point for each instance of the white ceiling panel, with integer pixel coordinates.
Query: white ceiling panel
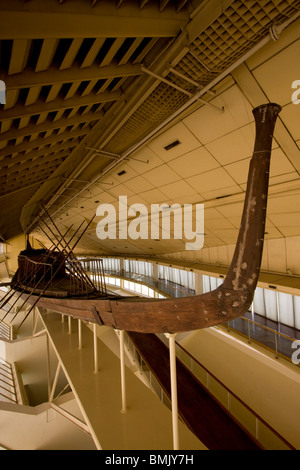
(211, 180)
(208, 124)
(290, 219)
(187, 142)
(138, 184)
(144, 160)
(161, 175)
(194, 162)
(214, 224)
(279, 163)
(231, 210)
(153, 196)
(276, 85)
(290, 231)
(228, 236)
(178, 190)
(290, 116)
(221, 192)
(283, 204)
(239, 170)
(234, 146)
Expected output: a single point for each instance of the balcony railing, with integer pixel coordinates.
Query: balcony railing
(7, 383)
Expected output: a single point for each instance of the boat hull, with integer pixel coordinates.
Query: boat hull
(154, 316)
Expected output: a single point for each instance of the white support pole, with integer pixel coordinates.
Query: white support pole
(69, 325)
(79, 335)
(48, 365)
(174, 401)
(95, 348)
(35, 315)
(122, 363)
(54, 383)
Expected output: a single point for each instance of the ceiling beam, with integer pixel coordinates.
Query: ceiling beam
(42, 142)
(205, 15)
(20, 111)
(17, 163)
(21, 177)
(120, 113)
(74, 74)
(77, 19)
(20, 158)
(50, 125)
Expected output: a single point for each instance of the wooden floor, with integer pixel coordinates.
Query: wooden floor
(208, 421)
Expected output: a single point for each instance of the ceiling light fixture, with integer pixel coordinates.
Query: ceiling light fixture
(172, 145)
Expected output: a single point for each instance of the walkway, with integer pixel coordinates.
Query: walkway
(146, 425)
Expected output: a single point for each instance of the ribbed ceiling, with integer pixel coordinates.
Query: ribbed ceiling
(67, 95)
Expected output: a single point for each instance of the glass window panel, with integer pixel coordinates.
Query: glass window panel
(160, 272)
(183, 278)
(191, 280)
(286, 309)
(151, 292)
(206, 283)
(213, 283)
(144, 290)
(138, 288)
(297, 311)
(258, 302)
(131, 285)
(271, 304)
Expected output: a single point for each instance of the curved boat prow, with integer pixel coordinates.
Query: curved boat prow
(245, 266)
(234, 297)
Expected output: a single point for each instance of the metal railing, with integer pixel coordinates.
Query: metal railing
(273, 340)
(248, 419)
(94, 266)
(7, 383)
(34, 271)
(279, 343)
(6, 331)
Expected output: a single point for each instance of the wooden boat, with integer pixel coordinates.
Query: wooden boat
(58, 282)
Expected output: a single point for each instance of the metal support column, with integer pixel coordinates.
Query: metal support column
(174, 401)
(122, 363)
(55, 382)
(95, 348)
(79, 335)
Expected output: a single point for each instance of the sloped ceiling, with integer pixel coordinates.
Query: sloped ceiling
(136, 98)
